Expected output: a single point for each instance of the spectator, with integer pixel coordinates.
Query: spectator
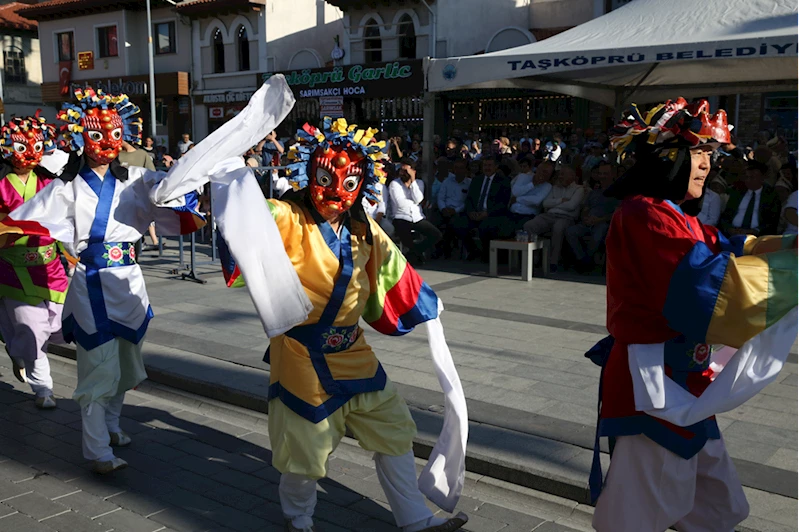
(719, 185)
(378, 210)
(476, 147)
(270, 150)
(149, 147)
(529, 190)
(453, 149)
(407, 195)
(442, 173)
(535, 147)
(786, 183)
(789, 212)
(452, 202)
(595, 220)
(552, 151)
(711, 208)
(754, 211)
(504, 146)
(562, 208)
(595, 154)
(525, 150)
(130, 155)
(184, 145)
(486, 209)
(763, 154)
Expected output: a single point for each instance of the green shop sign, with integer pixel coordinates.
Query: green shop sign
(381, 80)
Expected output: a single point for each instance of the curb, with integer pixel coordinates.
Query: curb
(477, 463)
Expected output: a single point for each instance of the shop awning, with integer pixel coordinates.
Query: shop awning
(647, 50)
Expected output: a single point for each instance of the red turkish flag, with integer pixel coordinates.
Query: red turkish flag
(65, 76)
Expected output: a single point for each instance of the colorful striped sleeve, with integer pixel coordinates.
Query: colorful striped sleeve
(399, 298)
(721, 298)
(740, 245)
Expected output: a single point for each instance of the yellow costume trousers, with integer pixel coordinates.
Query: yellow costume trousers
(380, 421)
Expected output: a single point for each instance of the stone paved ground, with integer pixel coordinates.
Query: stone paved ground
(195, 467)
(517, 345)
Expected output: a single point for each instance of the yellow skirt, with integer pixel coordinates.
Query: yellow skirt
(380, 421)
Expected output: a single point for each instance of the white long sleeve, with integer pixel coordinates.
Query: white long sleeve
(405, 200)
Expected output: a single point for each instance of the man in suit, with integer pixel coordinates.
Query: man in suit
(754, 211)
(486, 209)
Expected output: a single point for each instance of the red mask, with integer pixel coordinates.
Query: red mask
(335, 180)
(102, 134)
(27, 150)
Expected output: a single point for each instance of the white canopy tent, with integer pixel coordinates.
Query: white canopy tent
(647, 50)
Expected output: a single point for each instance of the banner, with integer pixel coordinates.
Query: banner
(65, 77)
(379, 80)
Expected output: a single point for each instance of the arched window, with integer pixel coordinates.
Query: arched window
(243, 45)
(407, 38)
(219, 52)
(372, 44)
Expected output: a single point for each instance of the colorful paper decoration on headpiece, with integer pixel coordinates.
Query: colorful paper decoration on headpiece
(672, 124)
(338, 134)
(29, 127)
(88, 98)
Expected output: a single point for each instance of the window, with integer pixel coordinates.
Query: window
(219, 52)
(14, 61)
(243, 44)
(66, 46)
(373, 45)
(165, 42)
(107, 38)
(407, 38)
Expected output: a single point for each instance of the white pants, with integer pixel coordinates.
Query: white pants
(650, 489)
(27, 330)
(397, 476)
(98, 422)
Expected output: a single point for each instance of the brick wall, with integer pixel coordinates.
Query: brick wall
(749, 117)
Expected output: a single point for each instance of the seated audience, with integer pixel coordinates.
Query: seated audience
(756, 210)
(562, 207)
(529, 190)
(595, 220)
(407, 196)
(378, 210)
(486, 209)
(789, 212)
(452, 203)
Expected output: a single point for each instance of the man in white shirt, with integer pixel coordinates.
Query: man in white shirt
(562, 209)
(711, 208)
(789, 212)
(407, 195)
(378, 210)
(452, 201)
(529, 190)
(184, 144)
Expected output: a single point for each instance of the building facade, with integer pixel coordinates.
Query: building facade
(104, 44)
(451, 28)
(234, 42)
(22, 73)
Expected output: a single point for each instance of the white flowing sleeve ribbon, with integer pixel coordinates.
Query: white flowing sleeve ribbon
(267, 108)
(442, 478)
(255, 244)
(743, 374)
